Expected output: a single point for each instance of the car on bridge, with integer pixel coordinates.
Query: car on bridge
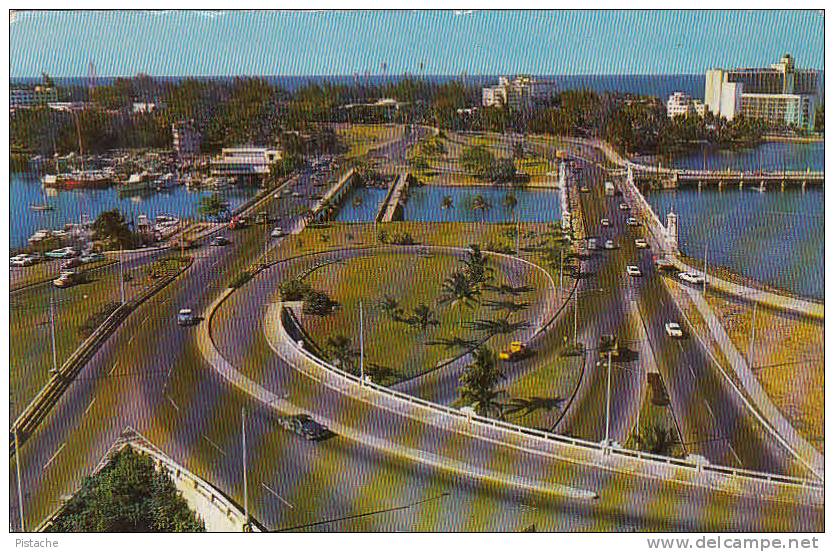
(610, 244)
(605, 222)
(592, 244)
(633, 270)
(631, 221)
(673, 329)
(640, 243)
(624, 207)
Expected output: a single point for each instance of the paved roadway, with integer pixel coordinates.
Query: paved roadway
(713, 420)
(149, 376)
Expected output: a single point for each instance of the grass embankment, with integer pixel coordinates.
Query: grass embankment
(538, 398)
(361, 139)
(21, 277)
(76, 309)
(788, 360)
(395, 348)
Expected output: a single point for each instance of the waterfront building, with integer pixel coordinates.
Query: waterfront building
(186, 139)
(522, 92)
(28, 97)
(781, 95)
(680, 103)
(244, 161)
(144, 107)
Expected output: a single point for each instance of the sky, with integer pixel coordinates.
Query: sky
(205, 43)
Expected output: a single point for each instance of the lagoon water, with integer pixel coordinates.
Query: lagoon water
(769, 156)
(775, 237)
(25, 189)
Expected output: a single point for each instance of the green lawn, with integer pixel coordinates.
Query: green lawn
(399, 348)
(537, 398)
(360, 139)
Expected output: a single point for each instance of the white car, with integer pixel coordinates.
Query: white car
(592, 244)
(633, 270)
(673, 329)
(605, 222)
(624, 207)
(640, 243)
(609, 244)
(631, 221)
(691, 277)
(185, 317)
(277, 232)
(22, 260)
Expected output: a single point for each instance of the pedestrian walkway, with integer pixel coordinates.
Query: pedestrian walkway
(762, 404)
(764, 298)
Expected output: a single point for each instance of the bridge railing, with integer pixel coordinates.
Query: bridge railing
(456, 415)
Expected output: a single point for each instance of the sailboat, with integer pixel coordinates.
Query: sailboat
(45, 206)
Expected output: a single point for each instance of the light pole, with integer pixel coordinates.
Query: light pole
(706, 248)
(245, 486)
(52, 326)
(752, 337)
(561, 263)
(361, 347)
(608, 405)
(19, 484)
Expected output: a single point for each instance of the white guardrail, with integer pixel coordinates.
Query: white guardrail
(543, 435)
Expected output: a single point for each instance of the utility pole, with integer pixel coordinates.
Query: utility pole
(706, 248)
(561, 262)
(608, 404)
(245, 486)
(575, 316)
(121, 277)
(19, 485)
(752, 338)
(52, 326)
(361, 347)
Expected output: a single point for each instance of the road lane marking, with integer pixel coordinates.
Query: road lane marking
(129, 341)
(91, 405)
(115, 364)
(215, 445)
(57, 452)
(276, 495)
(173, 403)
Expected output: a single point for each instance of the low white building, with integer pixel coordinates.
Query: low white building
(244, 161)
(682, 104)
(522, 92)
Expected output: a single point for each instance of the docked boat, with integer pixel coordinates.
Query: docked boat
(92, 179)
(165, 182)
(136, 183)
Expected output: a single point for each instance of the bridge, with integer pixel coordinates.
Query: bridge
(392, 206)
(670, 177)
(327, 206)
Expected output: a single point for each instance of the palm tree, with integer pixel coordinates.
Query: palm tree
(391, 306)
(510, 202)
(478, 383)
(446, 203)
(476, 265)
(340, 348)
(424, 317)
(658, 440)
(482, 205)
(459, 292)
(499, 326)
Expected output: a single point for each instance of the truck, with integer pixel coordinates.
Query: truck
(516, 350)
(609, 188)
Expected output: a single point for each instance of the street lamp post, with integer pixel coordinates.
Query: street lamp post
(52, 328)
(121, 277)
(361, 347)
(19, 483)
(245, 483)
(706, 249)
(608, 405)
(752, 337)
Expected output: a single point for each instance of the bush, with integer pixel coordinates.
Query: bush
(318, 303)
(94, 320)
(294, 290)
(240, 279)
(402, 238)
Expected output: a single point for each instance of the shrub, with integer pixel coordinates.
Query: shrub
(294, 290)
(94, 320)
(241, 279)
(318, 303)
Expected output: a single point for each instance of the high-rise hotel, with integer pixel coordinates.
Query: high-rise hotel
(781, 95)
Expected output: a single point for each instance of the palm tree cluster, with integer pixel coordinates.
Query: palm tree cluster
(479, 381)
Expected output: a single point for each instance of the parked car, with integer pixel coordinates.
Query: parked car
(22, 260)
(62, 253)
(71, 263)
(673, 329)
(691, 277)
(277, 232)
(92, 257)
(219, 241)
(640, 243)
(69, 278)
(633, 270)
(186, 317)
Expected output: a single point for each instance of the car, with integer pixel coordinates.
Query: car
(691, 277)
(277, 232)
(640, 243)
(664, 264)
(219, 241)
(584, 189)
(609, 244)
(624, 207)
(62, 253)
(631, 221)
(68, 278)
(304, 425)
(71, 263)
(185, 317)
(92, 257)
(673, 329)
(592, 244)
(605, 222)
(633, 270)
(262, 218)
(22, 260)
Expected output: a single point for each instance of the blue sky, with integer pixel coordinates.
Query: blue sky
(446, 42)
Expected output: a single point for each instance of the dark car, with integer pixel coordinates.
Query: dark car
(218, 241)
(306, 426)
